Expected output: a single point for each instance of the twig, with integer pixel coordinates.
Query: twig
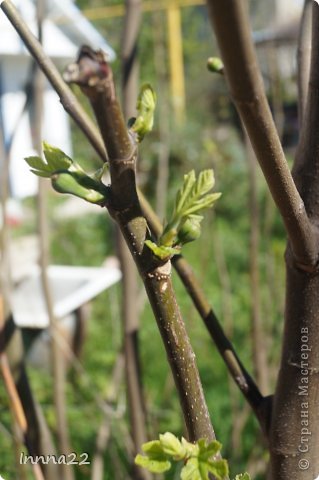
(191, 283)
(160, 63)
(14, 400)
(104, 432)
(231, 26)
(58, 361)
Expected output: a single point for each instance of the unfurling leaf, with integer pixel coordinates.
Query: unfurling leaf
(67, 176)
(152, 465)
(145, 106)
(162, 252)
(56, 158)
(172, 446)
(191, 199)
(243, 476)
(155, 459)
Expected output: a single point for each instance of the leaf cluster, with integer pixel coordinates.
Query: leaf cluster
(200, 459)
(184, 225)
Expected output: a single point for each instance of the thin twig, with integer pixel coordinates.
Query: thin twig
(104, 432)
(14, 399)
(58, 361)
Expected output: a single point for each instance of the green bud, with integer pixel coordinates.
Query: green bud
(145, 106)
(69, 182)
(215, 65)
(190, 230)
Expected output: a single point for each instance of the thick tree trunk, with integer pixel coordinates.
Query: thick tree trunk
(294, 429)
(294, 435)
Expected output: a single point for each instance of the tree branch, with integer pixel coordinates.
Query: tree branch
(191, 283)
(306, 168)
(130, 314)
(93, 74)
(303, 57)
(231, 26)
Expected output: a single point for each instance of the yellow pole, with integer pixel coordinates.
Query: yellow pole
(100, 13)
(176, 62)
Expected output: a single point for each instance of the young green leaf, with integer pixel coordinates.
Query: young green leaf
(243, 476)
(162, 252)
(219, 468)
(172, 446)
(192, 198)
(155, 459)
(152, 465)
(191, 470)
(196, 199)
(38, 166)
(56, 158)
(198, 458)
(208, 450)
(67, 176)
(184, 192)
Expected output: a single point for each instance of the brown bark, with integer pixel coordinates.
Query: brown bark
(295, 413)
(258, 334)
(95, 78)
(130, 314)
(303, 58)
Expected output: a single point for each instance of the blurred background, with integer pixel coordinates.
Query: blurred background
(238, 259)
